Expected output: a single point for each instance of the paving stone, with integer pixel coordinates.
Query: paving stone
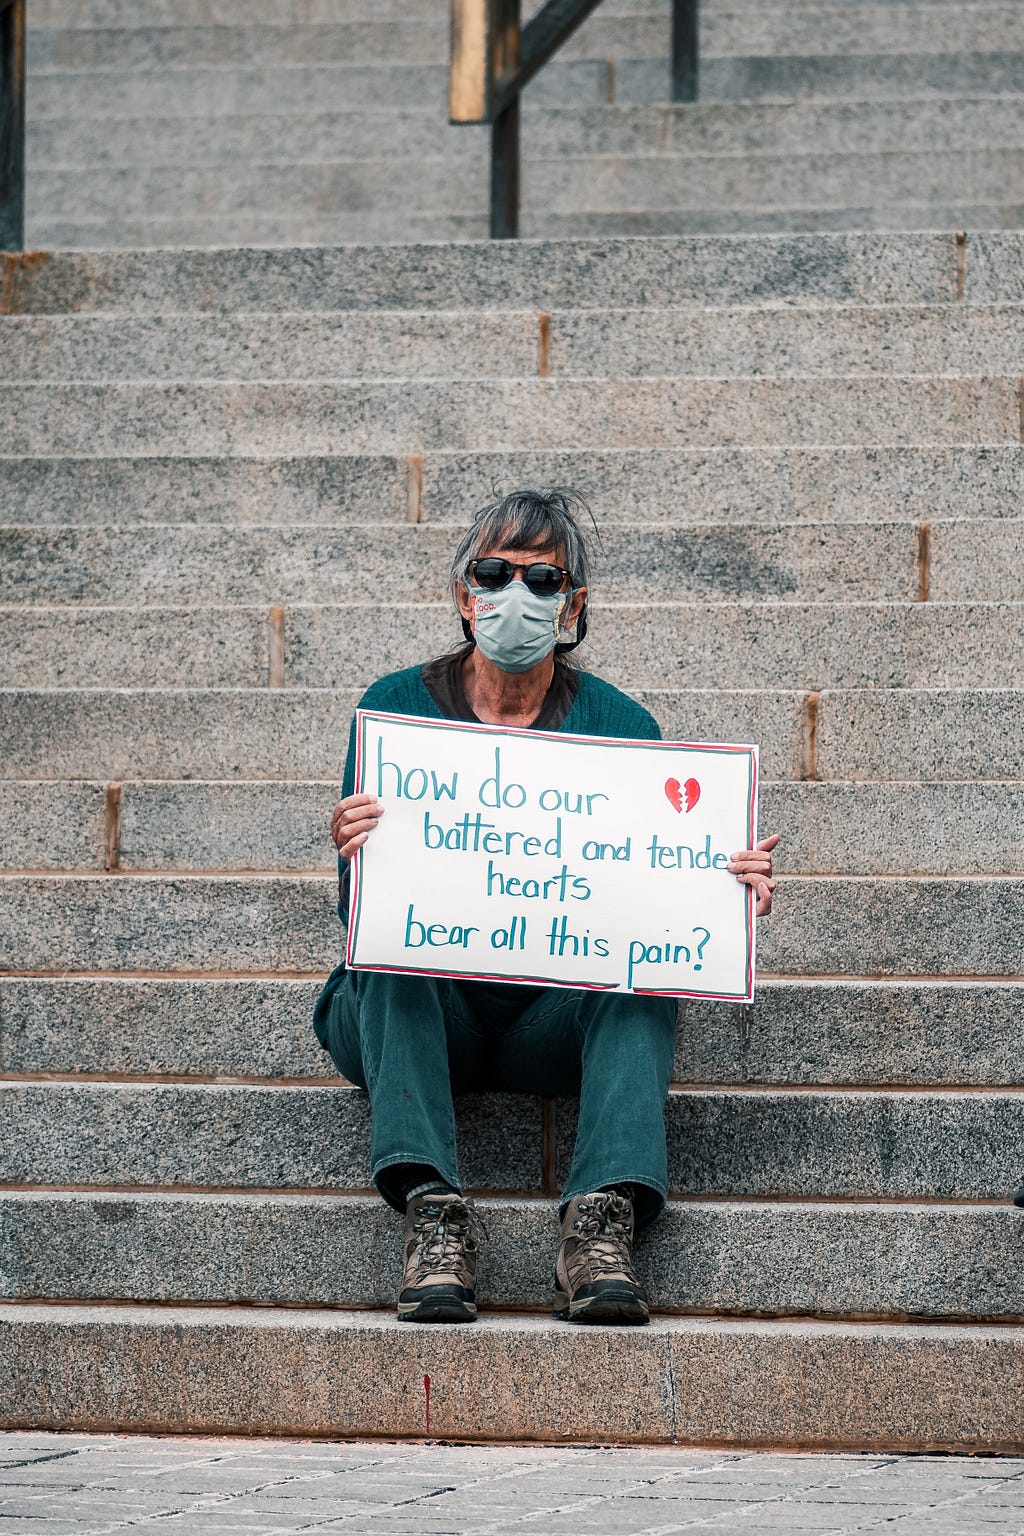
(236, 1137)
(948, 731)
(970, 559)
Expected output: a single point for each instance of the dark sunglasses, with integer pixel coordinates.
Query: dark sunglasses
(542, 579)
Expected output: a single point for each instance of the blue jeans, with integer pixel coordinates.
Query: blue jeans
(413, 1041)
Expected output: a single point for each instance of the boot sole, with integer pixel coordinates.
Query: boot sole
(437, 1309)
(622, 1307)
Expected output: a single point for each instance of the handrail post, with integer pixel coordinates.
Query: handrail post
(505, 127)
(12, 125)
(685, 21)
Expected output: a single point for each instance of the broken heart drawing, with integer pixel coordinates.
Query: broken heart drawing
(679, 795)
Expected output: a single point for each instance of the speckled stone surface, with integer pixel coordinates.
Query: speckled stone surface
(480, 343)
(851, 828)
(657, 646)
(220, 1136)
(724, 485)
(844, 562)
(240, 923)
(995, 271)
(805, 1143)
(852, 925)
(877, 269)
(146, 647)
(293, 733)
(698, 1381)
(839, 1032)
(848, 1031)
(252, 1028)
(971, 560)
(48, 826)
(949, 733)
(185, 490)
(778, 342)
(888, 1260)
(409, 417)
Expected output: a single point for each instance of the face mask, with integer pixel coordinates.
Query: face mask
(515, 628)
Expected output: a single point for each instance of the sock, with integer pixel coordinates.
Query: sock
(410, 1180)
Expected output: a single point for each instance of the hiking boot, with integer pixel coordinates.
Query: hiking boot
(595, 1281)
(441, 1241)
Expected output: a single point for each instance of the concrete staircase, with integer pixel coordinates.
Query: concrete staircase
(212, 122)
(230, 479)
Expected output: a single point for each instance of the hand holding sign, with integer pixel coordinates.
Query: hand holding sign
(520, 855)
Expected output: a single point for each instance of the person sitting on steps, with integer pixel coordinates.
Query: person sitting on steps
(413, 1041)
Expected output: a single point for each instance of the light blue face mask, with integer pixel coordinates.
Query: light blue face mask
(515, 628)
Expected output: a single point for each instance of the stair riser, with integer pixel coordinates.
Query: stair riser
(696, 1383)
(841, 269)
(710, 128)
(920, 646)
(828, 1260)
(856, 77)
(580, 344)
(745, 34)
(195, 565)
(847, 1032)
(721, 1143)
(751, 485)
(559, 185)
(912, 829)
(255, 924)
(403, 418)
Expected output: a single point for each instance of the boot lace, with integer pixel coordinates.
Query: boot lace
(445, 1231)
(604, 1245)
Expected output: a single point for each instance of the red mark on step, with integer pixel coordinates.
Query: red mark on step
(426, 1393)
(676, 793)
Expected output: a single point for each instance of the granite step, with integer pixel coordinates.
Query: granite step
(268, 87)
(675, 343)
(842, 562)
(559, 185)
(760, 1143)
(895, 268)
(828, 1259)
(269, 230)
(687, 1381)
(841, 77)
(862, 829)
(484, 415)
(831, 31)
(255, 924)
(978, 123)
(839, 1032)
(962, 661)
(724, 485)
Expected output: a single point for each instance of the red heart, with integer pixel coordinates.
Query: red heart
(674, 793)
(691, 790)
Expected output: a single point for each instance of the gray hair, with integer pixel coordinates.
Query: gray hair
(530, 520)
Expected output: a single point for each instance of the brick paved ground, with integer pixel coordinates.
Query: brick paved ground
(88, 1485)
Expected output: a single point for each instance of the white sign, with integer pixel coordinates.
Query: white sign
(568, 861)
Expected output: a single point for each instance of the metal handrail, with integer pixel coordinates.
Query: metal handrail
(12, 125)
(493, 57)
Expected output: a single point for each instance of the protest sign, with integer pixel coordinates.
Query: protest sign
(543, 858)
